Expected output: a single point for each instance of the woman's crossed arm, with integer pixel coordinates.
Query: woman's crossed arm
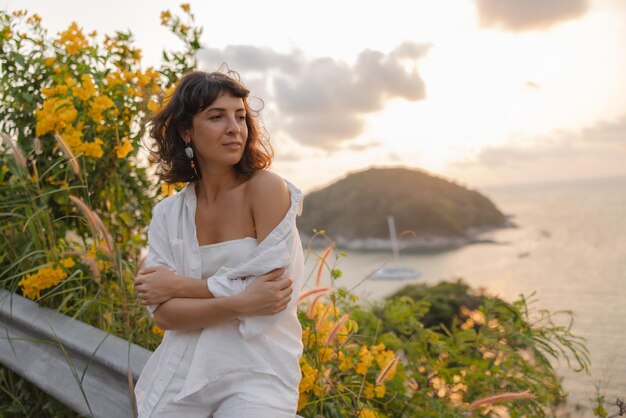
(186, 303)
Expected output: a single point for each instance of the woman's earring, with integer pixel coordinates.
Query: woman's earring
(189, 154)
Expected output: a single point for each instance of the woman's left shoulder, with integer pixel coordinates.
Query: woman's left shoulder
(267, 185)
(270, 201)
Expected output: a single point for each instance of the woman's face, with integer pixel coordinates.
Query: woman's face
(219, 132)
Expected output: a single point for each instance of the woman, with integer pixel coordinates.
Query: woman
(233, 341)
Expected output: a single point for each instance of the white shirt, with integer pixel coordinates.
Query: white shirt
(265, 344)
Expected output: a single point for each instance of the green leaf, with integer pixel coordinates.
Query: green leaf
(599, 411)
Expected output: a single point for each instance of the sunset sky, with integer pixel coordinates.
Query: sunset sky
(485, 92)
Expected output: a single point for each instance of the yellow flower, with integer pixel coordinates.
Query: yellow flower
(55, 114)
(157, 331)
(185, 7)
(6, 33)
(66, 112)
(143, 79)
(325, 354)
(308, 377)
(365, 360)
(344, 362)
(383, 358)
(123, 150)
(48, 91)
(302, 401)
(467, 324)
(113, 79)
(368, 390)
(165, 17)
(45, 123)
(44, 278)
(456, 398)
(91, 149)
(68, 262)
(379, 391)
(167, 189)
(73, 135)
(86, 90)
(477, 316)
(153, 106)
(367, 413)
(168, 95)
(70, 81)
(48, 62)
(378, 348)
(73, 39)
(98, 105)
(34, 19)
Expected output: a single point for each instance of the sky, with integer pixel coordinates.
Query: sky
(482, 92)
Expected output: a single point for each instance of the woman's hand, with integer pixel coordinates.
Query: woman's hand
(155, 285)
(269, 294)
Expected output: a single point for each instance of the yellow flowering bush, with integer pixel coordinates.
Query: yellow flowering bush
(342, 370)
(73, 108)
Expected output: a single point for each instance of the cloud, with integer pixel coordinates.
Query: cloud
(603, 140)
(532, 85)
(524, 15)
(250, 58)
(364, 146)
(611, 133)
(596, 151)
(321, 102)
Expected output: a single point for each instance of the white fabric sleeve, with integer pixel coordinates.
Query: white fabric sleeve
(159, 250)
(229, 282)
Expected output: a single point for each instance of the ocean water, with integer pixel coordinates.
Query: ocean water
(569, 248)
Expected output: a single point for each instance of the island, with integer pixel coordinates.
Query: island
(431, 213)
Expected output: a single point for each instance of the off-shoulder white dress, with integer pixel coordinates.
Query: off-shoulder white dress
(253, 361)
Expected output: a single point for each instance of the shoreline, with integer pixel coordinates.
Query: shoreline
(424, 244)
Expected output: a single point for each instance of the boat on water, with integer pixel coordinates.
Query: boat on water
(394, 271)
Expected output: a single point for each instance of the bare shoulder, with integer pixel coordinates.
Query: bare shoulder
(265, 184)
(269, 199)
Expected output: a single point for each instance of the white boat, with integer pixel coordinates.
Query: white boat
(395, 272)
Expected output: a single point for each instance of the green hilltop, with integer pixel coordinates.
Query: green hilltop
(357, 206)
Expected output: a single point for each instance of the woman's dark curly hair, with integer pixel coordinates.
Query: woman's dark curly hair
(194, 92)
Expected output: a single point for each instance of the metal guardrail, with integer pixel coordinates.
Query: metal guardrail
(83, 367)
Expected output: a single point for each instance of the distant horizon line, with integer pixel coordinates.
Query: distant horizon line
(555, 181)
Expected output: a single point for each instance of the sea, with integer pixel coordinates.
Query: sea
(568, 250)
